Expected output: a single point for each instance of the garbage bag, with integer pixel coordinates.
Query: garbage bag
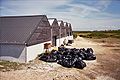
(66, 61)
(69, 57)
(43, 57)
(79, 63)
(57, 54)
(82, 55)
(61, 49)
(89, 50)
(89, 55)
(48, 57)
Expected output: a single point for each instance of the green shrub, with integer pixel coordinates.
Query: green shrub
(97, 34)
(75, 35)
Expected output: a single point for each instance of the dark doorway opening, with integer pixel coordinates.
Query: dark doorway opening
(54, 41)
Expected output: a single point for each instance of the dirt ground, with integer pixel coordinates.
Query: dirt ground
(105, 67)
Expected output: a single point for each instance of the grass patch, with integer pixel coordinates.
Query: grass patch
(97, 34)
(7, 65)
(75, 35)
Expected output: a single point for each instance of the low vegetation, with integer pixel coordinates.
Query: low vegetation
(8, 66)
(97, 34)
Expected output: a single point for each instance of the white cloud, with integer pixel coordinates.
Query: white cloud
(103, 4)
(82, 10)
(85, 10)
(31, 6)
(81, 16)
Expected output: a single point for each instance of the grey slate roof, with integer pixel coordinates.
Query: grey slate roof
(55, 26)
(61, 24)
(18, 29)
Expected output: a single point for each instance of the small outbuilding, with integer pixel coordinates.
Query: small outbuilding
(22, 38)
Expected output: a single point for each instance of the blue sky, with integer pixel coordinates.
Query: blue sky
(82, 14)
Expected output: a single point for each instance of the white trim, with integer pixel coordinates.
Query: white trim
(60, 41)
(59, 23)
(51, 21)
(70, 37)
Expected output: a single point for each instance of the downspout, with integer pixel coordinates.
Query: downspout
(69, 34)
(65, 34)
(25, 53)
(51, 35)
(59, 35)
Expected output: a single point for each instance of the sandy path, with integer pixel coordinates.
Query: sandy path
(106, 67)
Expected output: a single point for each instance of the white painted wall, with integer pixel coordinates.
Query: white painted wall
(70, 37)
(34, 50)
(60, 41)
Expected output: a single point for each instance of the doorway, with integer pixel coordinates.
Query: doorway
(54, 41)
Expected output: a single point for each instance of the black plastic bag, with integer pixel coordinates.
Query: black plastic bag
(48, 58)
(66, 61)
(79, 63)
(43, 57)
(69, 57)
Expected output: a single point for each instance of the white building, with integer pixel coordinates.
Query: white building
(23, 37)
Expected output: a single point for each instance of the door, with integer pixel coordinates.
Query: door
(54, 41)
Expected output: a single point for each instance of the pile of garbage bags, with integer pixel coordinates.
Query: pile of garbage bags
(69, 57)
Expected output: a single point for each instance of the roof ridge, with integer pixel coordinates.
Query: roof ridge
(51, 18)
(22, 16)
